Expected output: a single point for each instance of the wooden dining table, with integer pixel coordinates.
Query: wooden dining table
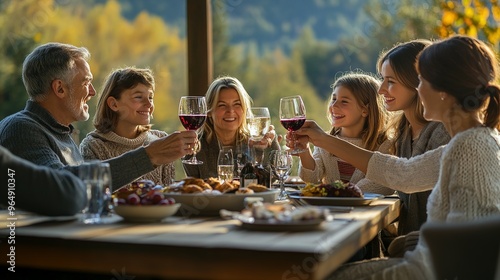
(196, 247)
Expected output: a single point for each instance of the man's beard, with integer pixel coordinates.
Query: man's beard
(76, 108)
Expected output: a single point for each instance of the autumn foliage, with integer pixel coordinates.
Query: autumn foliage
(147, 41)
(476, 18)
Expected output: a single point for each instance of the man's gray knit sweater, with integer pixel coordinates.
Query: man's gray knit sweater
(33, 134)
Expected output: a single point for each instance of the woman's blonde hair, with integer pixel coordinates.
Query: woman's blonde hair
(105, 119)
(364, 88)
(212, 97)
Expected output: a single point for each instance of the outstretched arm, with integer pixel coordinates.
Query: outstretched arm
(409, 175)
(311, 132)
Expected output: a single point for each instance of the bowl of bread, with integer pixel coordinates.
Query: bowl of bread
(206, 197)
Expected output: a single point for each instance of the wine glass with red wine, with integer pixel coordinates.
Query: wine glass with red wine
(192, 113)
(292, 116)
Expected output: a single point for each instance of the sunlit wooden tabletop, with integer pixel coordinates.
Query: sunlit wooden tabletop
(198, 248)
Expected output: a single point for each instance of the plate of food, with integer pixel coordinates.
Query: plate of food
(262, 216)
(335, 194)
(200, 197)
(146, 213)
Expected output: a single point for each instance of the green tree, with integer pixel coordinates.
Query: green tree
(224, 58)
(322, 61)
(13, 95)
(279, 76)
(113, 41)
(391, 22)
(21, 23)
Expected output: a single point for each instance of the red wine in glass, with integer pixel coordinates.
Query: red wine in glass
(292, 116)
(192, 113)
(293, 124)
(192, 122)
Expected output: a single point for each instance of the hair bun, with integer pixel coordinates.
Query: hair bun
(491, 90)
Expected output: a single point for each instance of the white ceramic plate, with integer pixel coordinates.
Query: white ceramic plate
(339, 201)
(210, 204)
(146, 213)
(265, 225)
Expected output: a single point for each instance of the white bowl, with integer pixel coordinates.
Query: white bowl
(146, 213)
(205, 204)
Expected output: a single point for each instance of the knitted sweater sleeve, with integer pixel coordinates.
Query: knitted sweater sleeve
(419, 173)
(124, 168)
(41, 189)
(129, 166)
(469, 182)
(369, 186)
(315, 175)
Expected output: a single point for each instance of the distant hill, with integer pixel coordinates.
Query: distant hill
(335, 35)
(266, 23)
(280, 22)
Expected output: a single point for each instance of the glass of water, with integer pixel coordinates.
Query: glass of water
(93, 174)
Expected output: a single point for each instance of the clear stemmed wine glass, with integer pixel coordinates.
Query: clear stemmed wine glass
(108, 207)
(258, 122)
(240, 158)
(225, 164)
(292, 116)
(281, 164)
(192, 113)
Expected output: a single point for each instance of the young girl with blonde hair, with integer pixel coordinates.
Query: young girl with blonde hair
(358, 116)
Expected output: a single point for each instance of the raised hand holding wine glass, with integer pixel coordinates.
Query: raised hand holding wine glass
(193, 114)
(292, 116)
(281, 164)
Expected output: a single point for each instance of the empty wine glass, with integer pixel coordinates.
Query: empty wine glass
(256, 152)
(281, 165)
(292, 116)
(225, 164)
(258, 122)
(240, 158)
(192, 113)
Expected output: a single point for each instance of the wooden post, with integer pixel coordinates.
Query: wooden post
(199, 45)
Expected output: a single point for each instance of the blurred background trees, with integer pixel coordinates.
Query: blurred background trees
(276, 48)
